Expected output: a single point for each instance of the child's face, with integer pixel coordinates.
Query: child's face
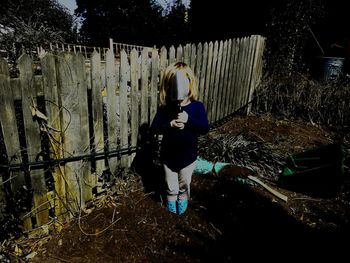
(180, 88)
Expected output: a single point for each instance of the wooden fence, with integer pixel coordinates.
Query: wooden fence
(54, 137)
(118, 47)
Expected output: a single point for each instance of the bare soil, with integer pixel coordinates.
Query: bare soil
(225, 219)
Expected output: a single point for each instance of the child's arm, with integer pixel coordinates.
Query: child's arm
(161, 122)
(199, 123)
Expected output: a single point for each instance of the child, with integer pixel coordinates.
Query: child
(180, 119)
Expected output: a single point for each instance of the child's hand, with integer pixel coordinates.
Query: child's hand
(182, 117)
(176, 124)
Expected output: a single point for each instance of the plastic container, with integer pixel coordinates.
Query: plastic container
(318, 171)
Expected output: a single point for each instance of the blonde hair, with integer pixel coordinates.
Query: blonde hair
(167, 82)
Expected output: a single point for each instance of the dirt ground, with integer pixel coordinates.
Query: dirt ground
(225, 219)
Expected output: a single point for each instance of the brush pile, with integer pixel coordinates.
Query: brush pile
(245, 149)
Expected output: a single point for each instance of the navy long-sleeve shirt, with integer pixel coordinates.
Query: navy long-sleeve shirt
(179, 147)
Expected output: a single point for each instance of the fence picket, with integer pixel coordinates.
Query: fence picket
(208, 77)
(234, 75)
(73, 125)
(187, 54)
(179, 54)
(124, 105)
(256, 69)
(193, 57)
(198, 71)
(249, 69)
(154, 84)
(32, 137)
(144, 87)
(238, 75)
(53, 110)
(163, 62)
(134, 102)
(9, 126)
(213, 108)
(221, 94)
(112, 110)
(10, 134)
(243, 62)
(226, 79)
(212, 85)
(97, 114)
(172, 58)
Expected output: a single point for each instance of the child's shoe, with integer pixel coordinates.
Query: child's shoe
(171, 206)
(182, 206)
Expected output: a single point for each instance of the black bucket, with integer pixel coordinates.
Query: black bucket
(328, 68)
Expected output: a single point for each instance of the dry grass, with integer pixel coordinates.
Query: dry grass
(297, 97)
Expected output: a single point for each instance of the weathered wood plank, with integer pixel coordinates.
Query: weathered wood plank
(222, 89)
(163, 63)
(2, 196)
(242, 74)
(234, 75)
(172, 58)
(154, 84)
(238, 74)
(257, 66)
(252, 52)
(33, 138)
(53, 111)
(193, 57)
(179, 54)
(112, 112)
(9, 126)
(10, 133)
(38, 85)
(74, 123)
(217, 88)
(134, 97)
(144, 86)
(97, 112)
(227, 77)
(246, 71)
(16, 88)
(198, 71)
(187, 54)
(124, 107)
(208, 75)
(85, 171)
(212, 82)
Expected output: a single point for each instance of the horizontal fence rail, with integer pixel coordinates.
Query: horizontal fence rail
(63, 129)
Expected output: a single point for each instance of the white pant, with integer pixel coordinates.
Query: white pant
(178, 184)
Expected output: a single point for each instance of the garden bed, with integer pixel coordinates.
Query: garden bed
(225, 219)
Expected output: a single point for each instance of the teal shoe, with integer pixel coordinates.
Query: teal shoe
(171, 206)
(182, 206)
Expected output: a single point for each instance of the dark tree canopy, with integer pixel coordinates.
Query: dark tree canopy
(44, 15)
(31, 23)
(130, 21)
(222, 19)
(177, 25)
